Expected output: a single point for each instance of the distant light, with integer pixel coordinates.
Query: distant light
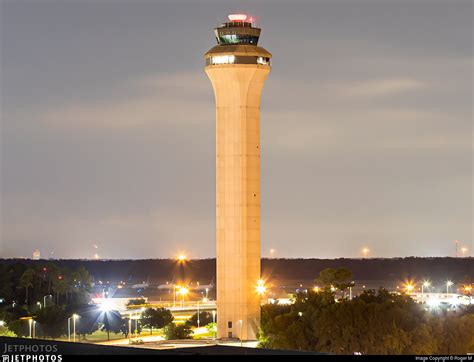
(183, 290)
(433, 302)
(75, 316)
(182, 257)
(426, 283)
(261, 289)
(409, 287)
(449, 283)
(316, 289)
(2, 323)
(106, 305)
(454, 301)
(237, 17)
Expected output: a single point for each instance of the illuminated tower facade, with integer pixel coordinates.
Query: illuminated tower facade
(237, 68)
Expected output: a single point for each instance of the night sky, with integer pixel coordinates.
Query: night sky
(108, 127)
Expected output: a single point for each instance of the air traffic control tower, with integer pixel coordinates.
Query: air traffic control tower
(237, 68)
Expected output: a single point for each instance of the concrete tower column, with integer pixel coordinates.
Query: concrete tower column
(237, 72)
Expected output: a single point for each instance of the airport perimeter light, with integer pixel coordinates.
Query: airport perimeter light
(181, 258)
(106, 305)
(409, 287)
(365, 252)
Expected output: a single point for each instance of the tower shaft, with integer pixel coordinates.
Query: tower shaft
(237, 90)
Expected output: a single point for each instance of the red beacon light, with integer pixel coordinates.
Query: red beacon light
(237, 17)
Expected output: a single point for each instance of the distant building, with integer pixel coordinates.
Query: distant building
(36, 255)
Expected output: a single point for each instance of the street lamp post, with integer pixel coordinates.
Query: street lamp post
(425, 284)
(30, 324)
(207, 293)
(73, 317)
(183, 292)
(69, 329)
(198, 321)
(174, 296)
(44, 300)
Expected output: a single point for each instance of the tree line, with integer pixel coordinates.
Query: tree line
(375, 322)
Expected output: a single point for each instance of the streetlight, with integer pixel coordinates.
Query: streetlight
(198, 314)
(272, 252)
(183, 291)
(448, 284)
(409, 287)
(74, 317)
(30, 324)
(44, 299)
(464, 251)
(174, 294)
(214, 323)
(182, 258)
(365, 251)
(425, 284)
(136, 318)
(207, 293)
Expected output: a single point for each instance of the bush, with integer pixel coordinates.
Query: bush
(182, 331)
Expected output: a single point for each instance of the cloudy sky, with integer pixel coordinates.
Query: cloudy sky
(108, 127)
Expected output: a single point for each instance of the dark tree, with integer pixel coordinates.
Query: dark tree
(156, 318)
(181, 331)
(373, 323)
(137, 301)
(111, 321)
(204, 319)
(339, 278)
(52, 321)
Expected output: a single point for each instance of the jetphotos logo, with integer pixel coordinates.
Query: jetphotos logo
(30, 353)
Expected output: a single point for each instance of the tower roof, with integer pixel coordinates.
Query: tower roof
(238, 30)
(237, 42)
(240, 49)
